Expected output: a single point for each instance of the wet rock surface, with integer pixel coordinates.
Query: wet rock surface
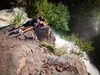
(24, 55)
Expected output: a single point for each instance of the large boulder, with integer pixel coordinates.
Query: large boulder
(24, 55)
(45, 34)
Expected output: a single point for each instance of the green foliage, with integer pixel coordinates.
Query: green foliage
(62, 52)
(32, 8)
(18, 18)
(57, 16)
(79, 54)
(84, 46)
(50, 47)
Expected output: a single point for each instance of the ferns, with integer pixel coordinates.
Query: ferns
(18, 18)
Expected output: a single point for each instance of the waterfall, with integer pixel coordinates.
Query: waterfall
(5, 19)
(7, 15)
(71, 45)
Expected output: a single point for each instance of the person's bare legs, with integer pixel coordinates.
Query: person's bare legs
(23, 28)
(28, 28)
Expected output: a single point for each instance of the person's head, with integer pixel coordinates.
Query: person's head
(44, 20)
(41, 18)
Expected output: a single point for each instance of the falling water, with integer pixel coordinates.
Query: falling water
(6, 16)
(71, 46)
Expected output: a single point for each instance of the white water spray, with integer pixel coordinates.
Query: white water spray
(7, 15)
(71, 45)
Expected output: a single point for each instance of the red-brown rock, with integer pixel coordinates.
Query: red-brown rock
(45, 34)
(24, 55)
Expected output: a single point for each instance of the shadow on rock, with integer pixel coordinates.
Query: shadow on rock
(12, 33)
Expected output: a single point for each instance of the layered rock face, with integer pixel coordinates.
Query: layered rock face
(24, 55)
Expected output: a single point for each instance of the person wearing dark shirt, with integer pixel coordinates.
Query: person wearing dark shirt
(31, 22)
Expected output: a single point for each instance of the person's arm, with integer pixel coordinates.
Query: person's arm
(44, 24)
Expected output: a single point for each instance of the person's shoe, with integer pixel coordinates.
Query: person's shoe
(20, 30)
(22, 33)
(17, 30)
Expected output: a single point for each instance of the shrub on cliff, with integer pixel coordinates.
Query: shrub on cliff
(50, 47)
(84, 46)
